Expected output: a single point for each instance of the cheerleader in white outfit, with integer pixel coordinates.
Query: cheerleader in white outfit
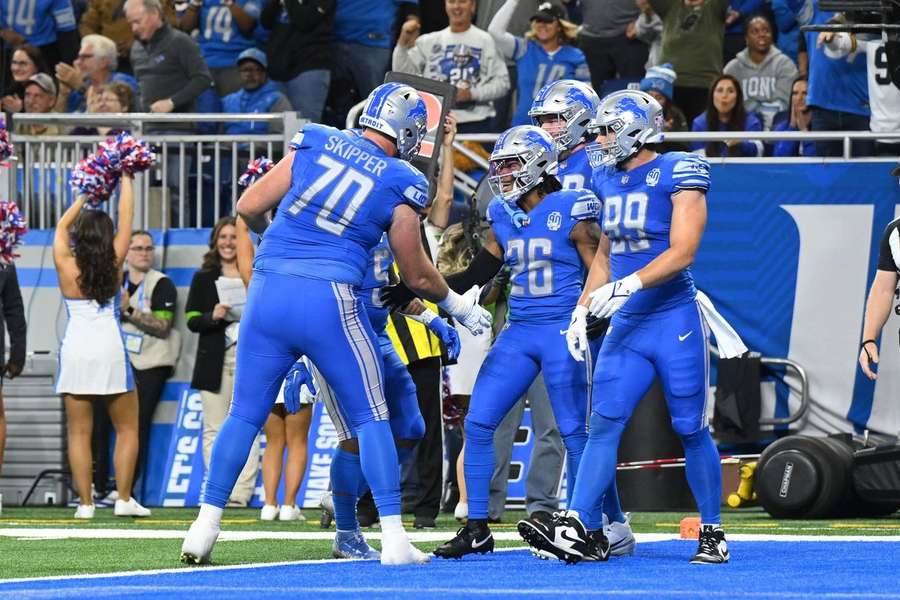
(93, 361)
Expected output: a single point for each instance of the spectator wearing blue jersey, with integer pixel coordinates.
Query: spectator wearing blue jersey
(462, 55)
(95, 67)
(546, 53)
(838, 89)
(225, 30)
(610, 52)
(365, 31)
(798, 119)
(48, 24)
(300, 51)
(257, 95)
(725, 112)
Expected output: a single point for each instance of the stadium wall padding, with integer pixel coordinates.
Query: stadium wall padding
(788, 255)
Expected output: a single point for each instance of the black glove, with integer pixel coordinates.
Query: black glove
(596, 328)
(396, 296)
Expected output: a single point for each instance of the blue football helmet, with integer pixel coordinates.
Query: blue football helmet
(636, 119)
(397, 111)
(534, 153)
(572, 101)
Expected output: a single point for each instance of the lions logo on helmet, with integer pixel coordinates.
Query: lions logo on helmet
(573, 103)
(397, 111)
(523, 156)
(628, 121)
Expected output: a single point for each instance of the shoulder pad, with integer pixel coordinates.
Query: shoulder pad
(492, 214)
(585, 206)
(411, 183)
(308, 133)
(690, 171)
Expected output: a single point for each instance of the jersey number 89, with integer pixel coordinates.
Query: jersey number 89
(623, 222)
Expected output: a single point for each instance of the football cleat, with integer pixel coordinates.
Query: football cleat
(621, 538)
(565, 537)
(712, 549)
(598, 546)
(198, 543)
(474, 538)
(396, 550)
(352, 544)
(544, 517)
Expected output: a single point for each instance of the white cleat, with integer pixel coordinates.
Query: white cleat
(198, 543)
(85, 511)
(269, 512)
(621, 538)
(290, 513)
(397, 550)
(130, 509)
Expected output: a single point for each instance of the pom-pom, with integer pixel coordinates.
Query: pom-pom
(255, 169)
(135, 154)
(12, 229)
(6, 147)
(97, 175)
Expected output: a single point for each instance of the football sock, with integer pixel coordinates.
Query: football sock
(478, 467)
(704, 473)
(575, 445)
(378, 457)
(228, 457)
(346, 481)
(611, 506)
(599, 468)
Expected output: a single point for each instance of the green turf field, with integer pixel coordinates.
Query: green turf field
(21, 556)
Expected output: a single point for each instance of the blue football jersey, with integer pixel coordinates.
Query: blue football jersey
(367, 22)
(220, 39)
(637, 218)
(575, 171)
(535, 68)
(343, 193)
(378, 275)
(38, 20)
(547, 273)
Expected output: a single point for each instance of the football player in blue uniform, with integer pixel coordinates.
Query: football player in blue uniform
(548, 237)
(566, 110)
(335, 195)
(654, 213)
(407, 425)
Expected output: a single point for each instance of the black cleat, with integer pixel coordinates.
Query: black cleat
(474, 538)
(598, 546)
(564, 537)
(712, 549)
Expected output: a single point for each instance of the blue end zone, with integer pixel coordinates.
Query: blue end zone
(825, 569)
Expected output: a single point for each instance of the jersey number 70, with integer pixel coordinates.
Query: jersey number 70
(327, 219)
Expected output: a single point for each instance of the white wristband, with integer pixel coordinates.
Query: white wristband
(633, 282)
(580, 311)
(425, 317)
(453, 303)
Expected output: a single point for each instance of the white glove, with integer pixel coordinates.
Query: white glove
(576, 335)
(610, 298)
(467, 311)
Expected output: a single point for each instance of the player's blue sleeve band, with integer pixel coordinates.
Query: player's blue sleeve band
(691, 172)
(416, 196)
(586, 207)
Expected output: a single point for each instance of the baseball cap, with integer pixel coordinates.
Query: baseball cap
(44, 81)
(254, 54)
(548, 12)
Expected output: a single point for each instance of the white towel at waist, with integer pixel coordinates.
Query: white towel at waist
(727, 339)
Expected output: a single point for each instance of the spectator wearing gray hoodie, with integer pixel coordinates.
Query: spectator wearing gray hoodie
(765, 72)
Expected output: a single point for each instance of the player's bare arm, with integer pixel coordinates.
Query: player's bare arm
(688, 223)
(415, 268)
(597, 263)
(878, 308)
(264, 195)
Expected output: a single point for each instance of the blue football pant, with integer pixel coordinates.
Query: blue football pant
(671, 345)
(286, 317)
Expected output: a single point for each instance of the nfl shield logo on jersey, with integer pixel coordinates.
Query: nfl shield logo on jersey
(554, 221)
(653, 177)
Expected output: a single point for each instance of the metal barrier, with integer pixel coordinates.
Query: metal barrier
(193, 182)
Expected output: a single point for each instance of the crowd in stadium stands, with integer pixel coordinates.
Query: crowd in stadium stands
(713, 65)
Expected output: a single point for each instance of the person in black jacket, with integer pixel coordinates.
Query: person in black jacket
(299, 51)
(217, 324)
(13, 321)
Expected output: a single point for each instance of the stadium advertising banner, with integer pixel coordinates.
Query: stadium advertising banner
(789, 254)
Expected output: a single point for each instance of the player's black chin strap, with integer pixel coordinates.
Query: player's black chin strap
(479, 272)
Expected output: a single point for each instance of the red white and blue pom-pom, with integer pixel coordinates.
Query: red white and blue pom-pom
(255, 169)
(6, 147)
(97, 175)
(12, 230)
(135, 154)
